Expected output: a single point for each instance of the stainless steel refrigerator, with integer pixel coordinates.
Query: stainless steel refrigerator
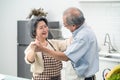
(23, 40)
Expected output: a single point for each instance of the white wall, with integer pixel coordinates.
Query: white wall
(13, 10)
(104, 17)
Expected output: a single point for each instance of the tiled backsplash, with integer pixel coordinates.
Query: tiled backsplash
(104, 17)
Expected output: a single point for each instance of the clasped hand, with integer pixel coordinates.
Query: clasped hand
(36, 45)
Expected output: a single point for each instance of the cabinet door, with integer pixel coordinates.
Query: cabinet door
(105, 63)
(23, 32)
(23, 69)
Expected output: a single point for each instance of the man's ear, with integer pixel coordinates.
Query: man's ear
(75, 27)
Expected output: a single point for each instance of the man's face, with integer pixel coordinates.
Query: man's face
(70, 27)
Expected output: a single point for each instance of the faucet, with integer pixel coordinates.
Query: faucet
(108, 41)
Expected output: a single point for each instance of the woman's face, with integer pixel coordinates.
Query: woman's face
(42, 30)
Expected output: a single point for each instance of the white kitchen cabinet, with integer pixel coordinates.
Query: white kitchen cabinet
(99, 0)
(106, 62)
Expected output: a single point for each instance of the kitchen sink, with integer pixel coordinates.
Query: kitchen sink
(114, 55)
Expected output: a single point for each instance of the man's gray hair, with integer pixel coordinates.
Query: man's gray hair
(74, 16)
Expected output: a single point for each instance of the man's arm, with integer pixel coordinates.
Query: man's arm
(55, 54)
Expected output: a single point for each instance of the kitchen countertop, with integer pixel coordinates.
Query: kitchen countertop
(8, 77)
(109, 56)
(105, 54)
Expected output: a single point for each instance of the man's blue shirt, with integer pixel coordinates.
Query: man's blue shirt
(83, 51)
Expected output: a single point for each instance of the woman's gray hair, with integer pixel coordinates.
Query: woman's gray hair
(33, 24)
(74, 16)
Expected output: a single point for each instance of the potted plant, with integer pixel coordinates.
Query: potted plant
(37, 12)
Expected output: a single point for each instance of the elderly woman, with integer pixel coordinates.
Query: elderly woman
(43, 67)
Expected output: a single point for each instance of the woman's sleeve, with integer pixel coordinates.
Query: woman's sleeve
(63, 44)
(27, 51)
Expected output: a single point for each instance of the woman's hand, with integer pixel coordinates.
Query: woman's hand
(33, 45)
(38, 45)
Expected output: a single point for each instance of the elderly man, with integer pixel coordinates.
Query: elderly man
(83, 50)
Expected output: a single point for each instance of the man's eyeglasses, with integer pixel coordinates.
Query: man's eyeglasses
(65, 25)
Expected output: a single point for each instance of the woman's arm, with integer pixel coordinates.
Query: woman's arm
(63, 44)
(30, 53)
(55, 54)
